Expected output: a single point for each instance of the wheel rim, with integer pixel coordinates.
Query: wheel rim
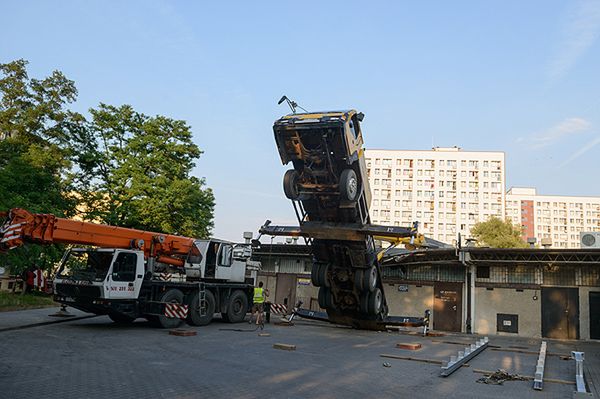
(378, 301)
(294, 187)
(237, 306)
(372, 279)
(352, 187)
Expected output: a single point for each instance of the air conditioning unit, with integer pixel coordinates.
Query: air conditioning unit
(590, 240)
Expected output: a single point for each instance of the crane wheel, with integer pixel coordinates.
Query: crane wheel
(370, 279)
(195, 317)
(349, 185)
(171, 296)
(237, 307)
(290, 184)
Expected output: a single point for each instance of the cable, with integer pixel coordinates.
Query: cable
(239, 329)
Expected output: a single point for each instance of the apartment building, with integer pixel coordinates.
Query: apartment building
(447, 190)
(553, 217)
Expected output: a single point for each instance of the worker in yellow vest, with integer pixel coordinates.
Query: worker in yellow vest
(260, 294)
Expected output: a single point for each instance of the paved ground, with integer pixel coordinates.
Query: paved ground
(95, 358)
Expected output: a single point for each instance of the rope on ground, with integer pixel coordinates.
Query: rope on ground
(498, 378)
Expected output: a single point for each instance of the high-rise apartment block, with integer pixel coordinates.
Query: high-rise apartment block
(447, 190)
(557, 219)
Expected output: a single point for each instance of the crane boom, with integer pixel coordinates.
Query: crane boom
(23, 226)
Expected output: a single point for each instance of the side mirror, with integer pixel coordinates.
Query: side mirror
(360, 116)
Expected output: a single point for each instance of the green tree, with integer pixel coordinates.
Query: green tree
(35, 151)
(136, 173)
(120, 167)
(496, 233)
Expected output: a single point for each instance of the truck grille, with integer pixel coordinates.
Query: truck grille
(77, 291)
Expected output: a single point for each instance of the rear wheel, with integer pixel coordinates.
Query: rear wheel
(171, 296)
(349, 185)
(195, 317)
(315, 273)
(375, 302)
(358, 279)
(290, 184)
(323, 271)
(325, 299)
(370, 279)
(237, 307)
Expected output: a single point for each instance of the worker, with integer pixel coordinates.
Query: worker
(260, 295)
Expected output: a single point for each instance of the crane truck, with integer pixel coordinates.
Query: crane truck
(329, 189)
(128, 273)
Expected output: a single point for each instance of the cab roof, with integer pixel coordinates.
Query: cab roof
(322, 116)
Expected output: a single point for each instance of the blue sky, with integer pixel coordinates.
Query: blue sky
(519, 77)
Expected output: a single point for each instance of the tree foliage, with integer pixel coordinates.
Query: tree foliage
(35, 150)
(118, 166)
(137, 170)
(496, 233)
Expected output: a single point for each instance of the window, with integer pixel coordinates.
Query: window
(482, 272)
(124, 267)
(352, 129)
(225, 255)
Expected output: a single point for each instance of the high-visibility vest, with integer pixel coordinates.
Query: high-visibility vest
(258, 295)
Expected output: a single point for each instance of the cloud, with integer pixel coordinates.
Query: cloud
(581, 30)
(588, 146)
(568, 127)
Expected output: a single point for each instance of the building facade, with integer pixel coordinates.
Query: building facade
(553, 218)
(531, 292)
(447, 190)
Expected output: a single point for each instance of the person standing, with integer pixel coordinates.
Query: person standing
(260, 294)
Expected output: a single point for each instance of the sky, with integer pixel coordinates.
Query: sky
(512, 76)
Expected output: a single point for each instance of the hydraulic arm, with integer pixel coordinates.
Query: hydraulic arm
(22, 226)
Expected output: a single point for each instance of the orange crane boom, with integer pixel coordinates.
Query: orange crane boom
(22, 226)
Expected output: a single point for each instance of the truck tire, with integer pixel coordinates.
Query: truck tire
(349, 185)
(314, 274)
(171, 296)
(370, 279)
(359, 277)
(121, 318)
(323, 271)
(325, 298)
(290, 184)
(375, 301)
(194, 316)
(237, 307)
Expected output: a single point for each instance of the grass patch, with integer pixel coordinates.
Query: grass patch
(11, 301)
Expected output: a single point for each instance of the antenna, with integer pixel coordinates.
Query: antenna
(292, 104)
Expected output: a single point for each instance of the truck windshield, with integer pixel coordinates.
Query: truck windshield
(86, 265)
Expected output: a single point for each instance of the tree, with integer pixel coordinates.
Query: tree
(119, 167)
(496, 233)
(35, 150)
(136, 173)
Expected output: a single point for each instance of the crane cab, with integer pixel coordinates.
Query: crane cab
(219, 260)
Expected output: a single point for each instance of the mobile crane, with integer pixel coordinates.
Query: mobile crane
(133, 273)
(330, 193)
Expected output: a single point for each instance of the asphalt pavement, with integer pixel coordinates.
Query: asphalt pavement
(95, 358)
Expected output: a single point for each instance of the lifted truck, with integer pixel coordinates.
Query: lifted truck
(132, 273)
(330, 192)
